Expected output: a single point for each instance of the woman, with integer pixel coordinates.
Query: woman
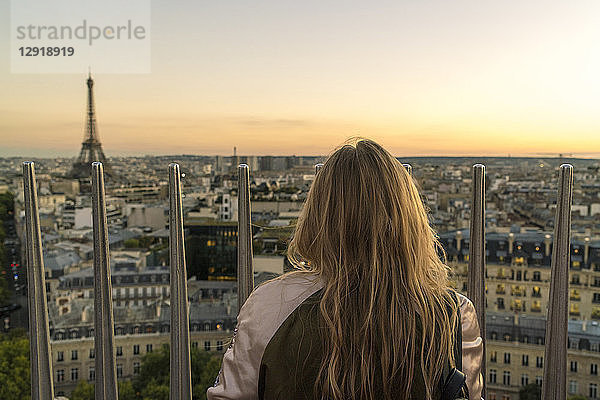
(369, 313)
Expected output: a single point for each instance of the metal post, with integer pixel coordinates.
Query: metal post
(104, 343)
(408, 168)
(318, 167)
(181, 377)
(476, 278)
(42, 386)
(245, 269)
(554, 385)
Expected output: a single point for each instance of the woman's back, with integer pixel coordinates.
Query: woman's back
(276, 352)
(384, 319)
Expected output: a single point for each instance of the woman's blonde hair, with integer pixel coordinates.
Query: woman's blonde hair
(386, 308)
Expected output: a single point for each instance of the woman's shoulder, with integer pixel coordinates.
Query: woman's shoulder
(290, 284)
(468, 318)
(273, 301)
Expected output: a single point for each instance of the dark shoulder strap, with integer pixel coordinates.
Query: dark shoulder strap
(457, 334)
(454, 379)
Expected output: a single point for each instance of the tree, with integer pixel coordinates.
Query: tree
(86, 391)
(207, 376)
(126, 391)
(155, 391)
(83, 391)
(154, 368)
(530, 392)
(153, 379)
(15, 376)
(577, 397)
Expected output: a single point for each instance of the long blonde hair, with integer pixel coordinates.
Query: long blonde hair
(385, 304)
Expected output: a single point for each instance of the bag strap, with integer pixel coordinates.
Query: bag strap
(455, 379)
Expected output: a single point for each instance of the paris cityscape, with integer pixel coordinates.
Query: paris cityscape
(519, 222)
(217, 90)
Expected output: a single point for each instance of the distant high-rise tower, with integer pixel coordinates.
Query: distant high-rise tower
(91, 148)
(235, 160)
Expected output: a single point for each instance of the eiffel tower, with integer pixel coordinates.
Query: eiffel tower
(91, 148)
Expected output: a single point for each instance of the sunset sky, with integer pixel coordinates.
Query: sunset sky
(298, 77)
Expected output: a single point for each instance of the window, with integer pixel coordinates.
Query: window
(119, 370)
(149, 348)
(524, 380)
(60, 375)
(594, 390)
(505, 397)
(119, 351)
(525, 360)
(506, 378)
(596, 298)
(60, 356)
(92, 374)
(537, 276)
(539, 362)
(74, 374)
(207, 345)
(194, 345)
(73, 354)
(136, 368)
(92, 353)
(573, 366)
(500, 303)
(593, 369)
(136, 349)
(492, 376)
(538, 380)
(506, 358)
(493, 356)
(572, 387)
(219, 345)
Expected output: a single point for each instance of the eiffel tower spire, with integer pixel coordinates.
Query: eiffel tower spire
(91, 148)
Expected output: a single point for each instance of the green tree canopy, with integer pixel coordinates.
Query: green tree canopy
(153, 379)
(530, 392)
(15, 376)
(83, 391)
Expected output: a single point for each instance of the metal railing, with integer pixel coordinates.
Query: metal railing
(181, 371)
(554, 382)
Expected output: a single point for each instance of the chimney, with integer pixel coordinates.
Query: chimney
(458, 240)
(586, 250)
(547, 241)
(511, 240)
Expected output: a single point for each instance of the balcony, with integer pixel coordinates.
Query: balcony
(180, 332)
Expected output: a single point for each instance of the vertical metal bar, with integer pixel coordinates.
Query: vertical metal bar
(476, 273)
(318, 167)
(181, 377)
(245, 269)
(554, 384)
(104, 342)
(408, 168)
(42, 386)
